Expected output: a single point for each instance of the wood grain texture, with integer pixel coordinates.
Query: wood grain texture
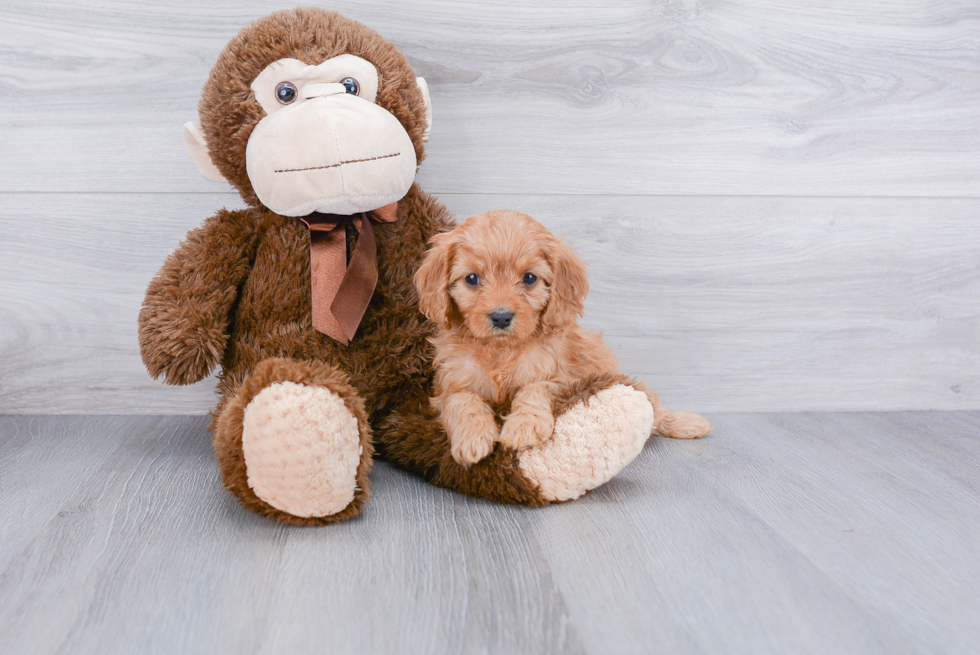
(722, 304)
(664, 97)
(802, 533)
(645, 130)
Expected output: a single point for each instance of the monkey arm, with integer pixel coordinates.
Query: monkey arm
(186, 314)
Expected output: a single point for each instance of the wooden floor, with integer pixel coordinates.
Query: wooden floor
(780, 533)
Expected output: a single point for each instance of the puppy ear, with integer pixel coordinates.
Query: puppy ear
(432, 279)
(569, 286)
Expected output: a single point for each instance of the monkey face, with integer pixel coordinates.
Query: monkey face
(324, 146)
(306, 110)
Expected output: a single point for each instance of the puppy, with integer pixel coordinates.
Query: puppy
(507, 295)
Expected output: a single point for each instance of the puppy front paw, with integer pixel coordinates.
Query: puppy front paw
(470, 446)
(525, 430)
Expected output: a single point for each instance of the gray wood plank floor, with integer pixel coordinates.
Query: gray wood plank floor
(780, 533)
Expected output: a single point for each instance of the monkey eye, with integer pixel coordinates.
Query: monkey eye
(351, 85)
(530, 278)
(286, 93)
(472, 279)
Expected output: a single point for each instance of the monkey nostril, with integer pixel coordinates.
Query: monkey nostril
(501, 319)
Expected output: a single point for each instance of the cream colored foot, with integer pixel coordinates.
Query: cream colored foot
(591, 444)
(301, 448)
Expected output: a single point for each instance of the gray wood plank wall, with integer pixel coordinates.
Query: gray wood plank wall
(779, 200)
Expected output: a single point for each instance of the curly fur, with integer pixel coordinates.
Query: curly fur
(504, 261)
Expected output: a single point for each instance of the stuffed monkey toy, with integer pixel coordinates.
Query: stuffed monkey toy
(305, 299)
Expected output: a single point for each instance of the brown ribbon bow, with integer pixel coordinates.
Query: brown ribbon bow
(341, 291)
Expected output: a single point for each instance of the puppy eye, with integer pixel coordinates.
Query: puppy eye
(472, 279)
(530, 278)
(285, 92)
(351, 85)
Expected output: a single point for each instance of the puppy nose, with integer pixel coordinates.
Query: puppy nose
(501, 319)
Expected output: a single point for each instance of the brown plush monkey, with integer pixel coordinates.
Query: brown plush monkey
(305, 299)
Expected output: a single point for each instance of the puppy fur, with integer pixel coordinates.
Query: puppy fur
(507, 295)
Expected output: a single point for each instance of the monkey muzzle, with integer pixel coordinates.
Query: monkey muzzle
(334, 153)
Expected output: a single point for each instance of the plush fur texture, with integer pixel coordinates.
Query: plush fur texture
(505, 263)
(227, 425)
(590, 444)
(229, 111)
(302, 448)
(236, 294)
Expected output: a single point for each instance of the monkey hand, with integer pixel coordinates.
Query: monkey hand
(184, 322)
(178, 343)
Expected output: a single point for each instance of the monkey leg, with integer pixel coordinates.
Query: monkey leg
(600, 427)
(293, 443)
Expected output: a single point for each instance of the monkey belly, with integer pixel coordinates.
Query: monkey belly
(273, 315)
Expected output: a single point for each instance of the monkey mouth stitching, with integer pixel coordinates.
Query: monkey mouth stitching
(349, 161)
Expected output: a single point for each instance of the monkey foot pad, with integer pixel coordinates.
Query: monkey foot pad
(301, 449)
(591, 443)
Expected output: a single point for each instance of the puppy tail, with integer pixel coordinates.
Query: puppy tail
(674, 423)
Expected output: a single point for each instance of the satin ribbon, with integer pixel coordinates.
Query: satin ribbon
(341, 291)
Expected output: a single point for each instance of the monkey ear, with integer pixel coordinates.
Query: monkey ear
(424, 88)
(197, 148)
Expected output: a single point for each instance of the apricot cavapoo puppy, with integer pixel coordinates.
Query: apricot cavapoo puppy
(507, 295)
